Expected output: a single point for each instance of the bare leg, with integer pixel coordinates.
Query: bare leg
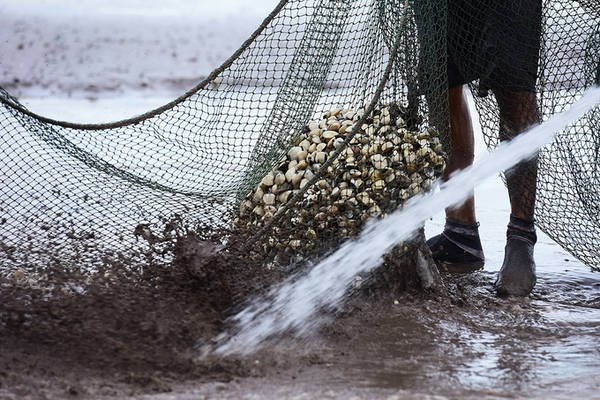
(458, 247)
(461, 134)
(518, 111)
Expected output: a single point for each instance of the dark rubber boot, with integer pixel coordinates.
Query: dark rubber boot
(457, 248)
(517, 275)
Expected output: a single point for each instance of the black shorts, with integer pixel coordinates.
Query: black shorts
(494, 41)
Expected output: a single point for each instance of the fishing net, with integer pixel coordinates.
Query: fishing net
(89, 195)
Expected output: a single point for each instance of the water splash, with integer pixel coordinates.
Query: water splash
(292, 306)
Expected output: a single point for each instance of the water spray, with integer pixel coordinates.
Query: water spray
(292, 305)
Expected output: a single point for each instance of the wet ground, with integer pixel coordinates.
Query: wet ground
(470, 345)
(139, 337)
(466, 343)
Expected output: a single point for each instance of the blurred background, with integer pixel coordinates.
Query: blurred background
(93, 49)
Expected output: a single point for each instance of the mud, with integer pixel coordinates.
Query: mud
(121, 335)
(469, 344)
(120, 330)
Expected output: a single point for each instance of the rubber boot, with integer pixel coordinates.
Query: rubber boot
(458, 248)
(517, 275)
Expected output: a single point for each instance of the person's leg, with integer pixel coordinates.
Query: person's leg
(458, 247)
(518, 112)
(461, 135)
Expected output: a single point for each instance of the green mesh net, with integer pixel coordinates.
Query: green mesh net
(86, 195)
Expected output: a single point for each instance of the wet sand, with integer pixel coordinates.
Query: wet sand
(470, 345)
(466, 343)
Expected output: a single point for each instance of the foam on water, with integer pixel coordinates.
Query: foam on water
(292, 306)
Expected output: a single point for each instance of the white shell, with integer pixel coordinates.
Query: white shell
(269, 199)
(302, 164)
(305, 144)
(268, 179)
(320, 157)
(345, 193)
(290, 174)
(258, 210)
(378, 185)
(294, 151)
(258, 195)
(338, 143)
(334, 126)
(284, 196)
(297, 178)
(279, 178)
(379, 161)
(328, 135)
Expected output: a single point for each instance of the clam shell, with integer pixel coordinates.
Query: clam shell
(258, 195)
(279, 178)
(304, 144)
(323, 184)
(290, 174)
(258, 210)
(345, 193)
(284, 196)
(293, 152)
(378, 185)
(320, 157)
(379, 161)
(364, 198)
(245, 206)
(269, 199)
(302, 164)
(328, 135)
(297, 178)
(338, 143)
(268, 179)
(333, 112)
(334, 126)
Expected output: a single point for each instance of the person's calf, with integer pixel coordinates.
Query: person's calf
(521, 181)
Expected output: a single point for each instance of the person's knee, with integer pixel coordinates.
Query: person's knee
(518, 111)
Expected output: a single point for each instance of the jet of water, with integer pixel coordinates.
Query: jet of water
(292, 306)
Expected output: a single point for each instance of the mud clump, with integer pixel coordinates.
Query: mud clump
(137, 326)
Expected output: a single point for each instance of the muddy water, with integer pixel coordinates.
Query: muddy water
(546, 346)
(469, 344)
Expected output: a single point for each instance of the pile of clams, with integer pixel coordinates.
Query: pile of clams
(383, 165)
